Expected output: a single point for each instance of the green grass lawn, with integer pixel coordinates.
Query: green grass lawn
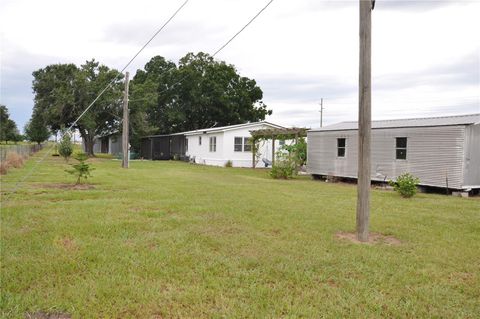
(170, 239)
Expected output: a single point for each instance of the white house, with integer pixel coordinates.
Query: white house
(218, 145)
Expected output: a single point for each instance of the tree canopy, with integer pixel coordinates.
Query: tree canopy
(64, 91)
(198, 92)
(36, 129)
(8, 127)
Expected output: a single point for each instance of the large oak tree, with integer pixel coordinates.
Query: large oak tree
(64, 91)
(200, 92)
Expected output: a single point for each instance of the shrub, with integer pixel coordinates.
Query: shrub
(4, 168)
(65, 147)
(13, 159)
(406, 185)
(229, 163)
(284, 166)
(298, 151)
(82, 169)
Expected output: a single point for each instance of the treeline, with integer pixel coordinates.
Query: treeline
(8, 128)
(165, 97)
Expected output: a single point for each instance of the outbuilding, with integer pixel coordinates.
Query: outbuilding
(440, 151)
(107, 144)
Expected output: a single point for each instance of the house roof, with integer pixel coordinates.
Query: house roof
(466, 119)
(230, 128)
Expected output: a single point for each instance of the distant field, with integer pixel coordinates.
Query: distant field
(170, 239)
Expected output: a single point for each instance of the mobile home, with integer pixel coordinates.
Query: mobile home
(218, 145)
(440, 151)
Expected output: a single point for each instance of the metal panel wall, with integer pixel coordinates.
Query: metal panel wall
(472, 156)
(433, 154)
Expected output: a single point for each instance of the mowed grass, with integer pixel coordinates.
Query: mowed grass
(170, 239)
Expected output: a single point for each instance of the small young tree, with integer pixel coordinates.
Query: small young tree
(406, 185)
(298, 151)
(65, 148)
(36, 130)
(82, 169)
(284, 166)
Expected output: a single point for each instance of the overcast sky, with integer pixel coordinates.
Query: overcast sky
(426, 54)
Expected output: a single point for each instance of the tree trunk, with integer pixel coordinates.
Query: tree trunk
(87, 142)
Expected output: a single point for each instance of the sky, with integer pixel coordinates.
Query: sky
(425, 54)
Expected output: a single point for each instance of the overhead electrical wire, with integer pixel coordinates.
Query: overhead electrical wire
(17, 185)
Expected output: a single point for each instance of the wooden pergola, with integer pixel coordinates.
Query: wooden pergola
(275, 134)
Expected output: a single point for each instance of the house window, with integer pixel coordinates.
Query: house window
(247, 146)
(237, 147)
(199, 140)
(341, 145)
(186, 145)
(401, 148)
(213, 144)
(281, 142)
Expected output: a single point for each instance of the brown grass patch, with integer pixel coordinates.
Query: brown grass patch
(14, 159)
(46, 315)
(4, 166)
(67, 186)
(373, 238)
(66, 243)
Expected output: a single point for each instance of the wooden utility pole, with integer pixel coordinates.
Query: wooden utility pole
(364, 120)
(125, 139)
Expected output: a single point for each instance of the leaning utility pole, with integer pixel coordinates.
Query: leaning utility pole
(125, 139)
(364, 120)
(321, 112)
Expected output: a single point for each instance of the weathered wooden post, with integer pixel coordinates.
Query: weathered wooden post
(364, 121)
(125, 139)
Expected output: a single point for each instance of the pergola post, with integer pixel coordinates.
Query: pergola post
(273, 150)
(254, 152)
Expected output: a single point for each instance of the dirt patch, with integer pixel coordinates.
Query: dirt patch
(66, 243)
(67, 186)
(46, 315)
(373, 238)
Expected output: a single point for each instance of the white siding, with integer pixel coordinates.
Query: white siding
(472, 156)
(433, 153)
(202, 152)
(225, 148)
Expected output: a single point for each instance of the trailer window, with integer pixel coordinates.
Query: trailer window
(401, 148)
(213, 144)
(199, 140)
(237, 147)
(341, 145)
(247, 146)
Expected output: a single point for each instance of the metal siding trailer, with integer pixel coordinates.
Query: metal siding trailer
(439, 151)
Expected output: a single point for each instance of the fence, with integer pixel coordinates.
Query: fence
(24, 150)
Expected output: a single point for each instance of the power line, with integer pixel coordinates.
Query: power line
(18, 184)
(224, 45)
(129, 62)
(241, 30)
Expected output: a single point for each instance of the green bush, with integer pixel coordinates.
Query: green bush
(82, 169)
(298, 151)
(284, 166)
(65, 147)
(406, 184)
(229, 163)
